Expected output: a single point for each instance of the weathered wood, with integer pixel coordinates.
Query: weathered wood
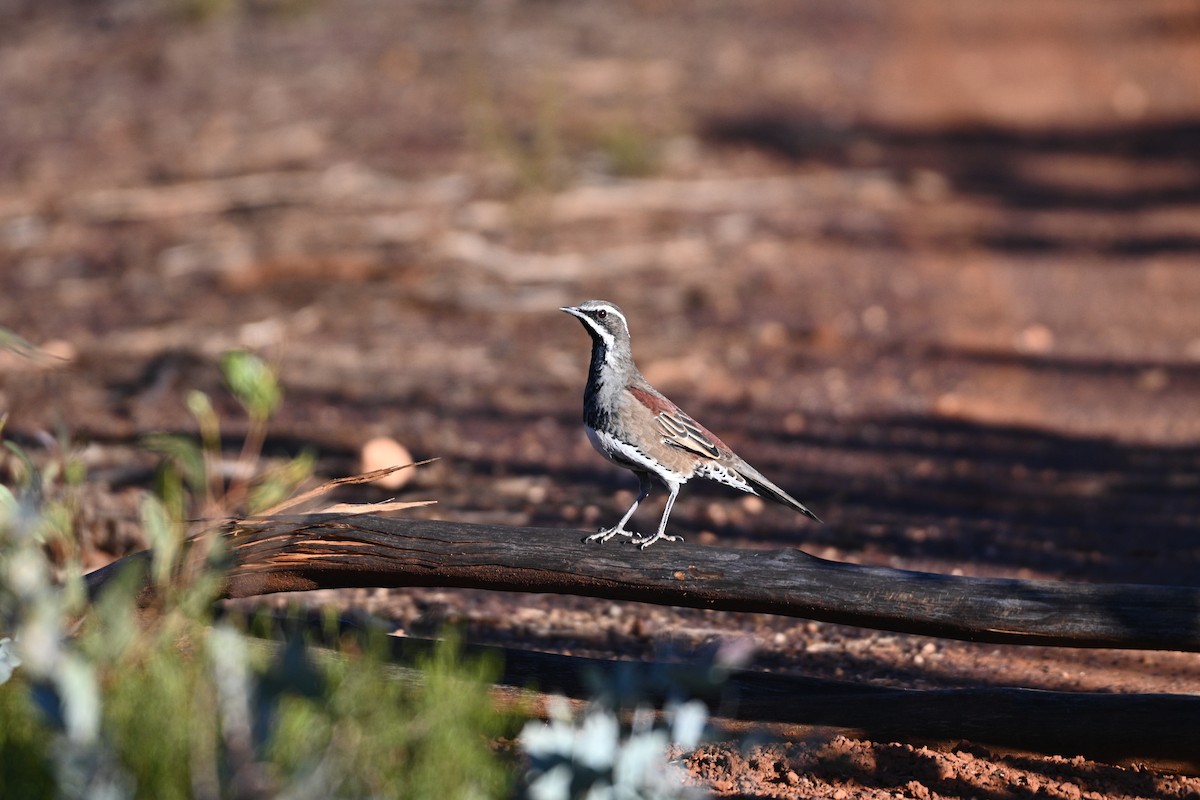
(1162, 729)
(315, 552)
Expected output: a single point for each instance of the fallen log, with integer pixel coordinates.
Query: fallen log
(332, 551)
(1119, 728)
(1158, 729)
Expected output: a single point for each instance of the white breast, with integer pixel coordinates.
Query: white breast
(626, 455)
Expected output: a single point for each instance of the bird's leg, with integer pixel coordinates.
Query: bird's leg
(646, 541)
(605, 534)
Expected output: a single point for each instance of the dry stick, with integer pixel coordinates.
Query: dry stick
(330, 485)
(328, 551)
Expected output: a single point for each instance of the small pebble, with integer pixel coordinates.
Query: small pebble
(383, 452)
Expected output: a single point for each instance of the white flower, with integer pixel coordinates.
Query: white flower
(9, 660)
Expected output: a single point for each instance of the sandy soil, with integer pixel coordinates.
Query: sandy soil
(930, 266)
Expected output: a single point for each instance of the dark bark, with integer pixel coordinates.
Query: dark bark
(293, 554)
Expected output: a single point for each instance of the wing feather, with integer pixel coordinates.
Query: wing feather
(680, 430)
(677, 428)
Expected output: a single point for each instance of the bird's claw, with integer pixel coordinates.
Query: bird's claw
(645, 541)
(604, 534)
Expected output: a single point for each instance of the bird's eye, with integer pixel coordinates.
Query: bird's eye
(602, 313)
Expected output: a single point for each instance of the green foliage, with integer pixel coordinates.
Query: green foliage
(403, 742)
(187, 468)
(210, 427)
(189, 480)
(160, 708)
(279, 483)
(252, 383)
(111, 700)
(26, 767)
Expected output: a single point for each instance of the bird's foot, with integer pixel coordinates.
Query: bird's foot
(645, 541)
(604, 534)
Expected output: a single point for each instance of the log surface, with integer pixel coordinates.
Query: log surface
(320, 552)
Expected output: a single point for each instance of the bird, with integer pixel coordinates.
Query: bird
(635, 426)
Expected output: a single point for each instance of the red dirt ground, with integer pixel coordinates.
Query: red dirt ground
(930, 266)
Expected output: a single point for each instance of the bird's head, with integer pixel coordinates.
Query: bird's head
(604, 322)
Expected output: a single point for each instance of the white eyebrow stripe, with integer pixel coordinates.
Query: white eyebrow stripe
(611, 309)
(615, 310)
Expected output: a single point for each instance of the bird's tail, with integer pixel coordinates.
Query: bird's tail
(765, 488)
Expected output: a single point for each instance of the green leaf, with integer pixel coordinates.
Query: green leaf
(281, 483)
(210, 427)
(185, 454)
(30, 476)
(166, 540)
(252, 383)
(8, 505)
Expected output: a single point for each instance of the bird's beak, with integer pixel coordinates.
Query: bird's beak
(573, 311)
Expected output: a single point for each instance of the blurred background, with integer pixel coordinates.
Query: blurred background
(931, 266)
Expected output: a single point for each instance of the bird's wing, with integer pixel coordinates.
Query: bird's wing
(677, 428)
(720, 463)
(680, 430)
